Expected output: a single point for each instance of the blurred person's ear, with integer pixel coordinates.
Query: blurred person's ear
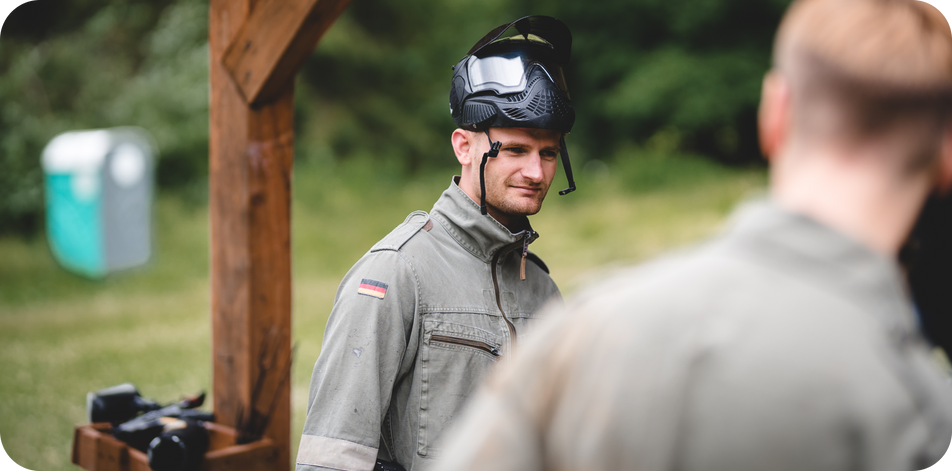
(944, 174)
(773, 119)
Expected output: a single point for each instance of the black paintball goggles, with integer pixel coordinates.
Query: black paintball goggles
(513, 77)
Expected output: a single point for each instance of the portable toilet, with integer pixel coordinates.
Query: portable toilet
(99, 199)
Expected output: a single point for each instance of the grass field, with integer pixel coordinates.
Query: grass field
(62, 336)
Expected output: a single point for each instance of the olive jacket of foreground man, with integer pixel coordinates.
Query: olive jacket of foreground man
(416, 324)
(790, 342)
(816, 364)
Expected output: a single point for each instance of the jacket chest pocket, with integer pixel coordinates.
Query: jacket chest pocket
(449, 341)
(455, 358)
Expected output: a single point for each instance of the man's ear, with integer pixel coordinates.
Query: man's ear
(462, 146)
(773, 118)
(944, 175)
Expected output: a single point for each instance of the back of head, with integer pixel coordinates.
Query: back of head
(868, 70)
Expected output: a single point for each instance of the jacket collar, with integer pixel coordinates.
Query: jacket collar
(480, 235)
(836, 262)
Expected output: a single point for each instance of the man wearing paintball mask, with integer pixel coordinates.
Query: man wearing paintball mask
(422, 316)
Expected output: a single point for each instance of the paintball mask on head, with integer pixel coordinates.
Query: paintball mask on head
(515, 79)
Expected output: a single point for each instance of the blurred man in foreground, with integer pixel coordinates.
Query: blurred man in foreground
(789, 343)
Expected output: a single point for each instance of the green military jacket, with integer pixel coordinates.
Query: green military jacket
(416, 324)
(782, 346)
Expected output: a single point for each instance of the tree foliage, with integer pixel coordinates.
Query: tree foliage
(678, 75)
(95, 64)
(672, 76)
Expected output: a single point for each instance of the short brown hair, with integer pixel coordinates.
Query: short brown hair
(875, 66)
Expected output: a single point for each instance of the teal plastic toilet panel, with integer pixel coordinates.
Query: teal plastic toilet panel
(74, 225)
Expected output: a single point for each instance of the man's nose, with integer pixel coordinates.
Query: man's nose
(532, 171)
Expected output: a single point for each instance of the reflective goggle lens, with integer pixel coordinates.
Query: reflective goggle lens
(508, 73)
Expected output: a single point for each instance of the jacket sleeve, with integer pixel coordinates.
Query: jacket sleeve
(361, 356)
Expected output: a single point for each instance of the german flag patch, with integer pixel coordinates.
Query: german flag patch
(372, 288)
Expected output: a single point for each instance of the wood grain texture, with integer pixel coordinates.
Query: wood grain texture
(250, 156)
(252, 456)
(85, 445)
(268, 49)
(94, 449)
(228, 193)
(139, 461)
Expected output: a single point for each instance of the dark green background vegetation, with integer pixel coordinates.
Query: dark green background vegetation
(669, 76)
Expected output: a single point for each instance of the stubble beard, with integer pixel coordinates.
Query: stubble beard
(497, 197)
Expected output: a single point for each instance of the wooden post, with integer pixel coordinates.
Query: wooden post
(256, 47)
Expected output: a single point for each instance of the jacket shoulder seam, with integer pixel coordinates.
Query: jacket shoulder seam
(402, 234)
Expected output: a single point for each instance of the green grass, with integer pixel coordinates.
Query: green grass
(61, 335)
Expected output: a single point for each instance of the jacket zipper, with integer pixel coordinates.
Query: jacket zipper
(466, 343)
(512, 328)
(525, 253)
(528, 237)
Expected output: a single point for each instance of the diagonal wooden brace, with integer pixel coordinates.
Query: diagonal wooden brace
(273, 43)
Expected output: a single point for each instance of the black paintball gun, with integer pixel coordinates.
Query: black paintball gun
(140, 431)
(174, 436)
(117, 404)
(180, 446)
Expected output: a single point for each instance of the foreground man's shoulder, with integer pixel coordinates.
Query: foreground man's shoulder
(620, 283)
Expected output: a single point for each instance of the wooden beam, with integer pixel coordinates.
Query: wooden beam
(250, 156)
(270, 47)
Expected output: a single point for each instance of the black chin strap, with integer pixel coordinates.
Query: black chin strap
(493, 151)
(568, 168)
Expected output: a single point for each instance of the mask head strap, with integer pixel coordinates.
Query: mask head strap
(568, 168)
(493, 151)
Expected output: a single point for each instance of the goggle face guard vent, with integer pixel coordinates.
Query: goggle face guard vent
(541, 105)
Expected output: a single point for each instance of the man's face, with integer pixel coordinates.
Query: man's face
(518, 179)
